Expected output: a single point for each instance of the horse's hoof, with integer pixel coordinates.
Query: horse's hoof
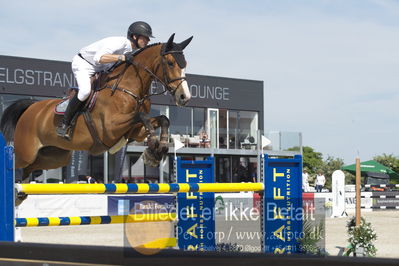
(149, 158)
(20, 197)
(146, 157)
(163, 151)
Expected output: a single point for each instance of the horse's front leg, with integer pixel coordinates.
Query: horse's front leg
(157, 148)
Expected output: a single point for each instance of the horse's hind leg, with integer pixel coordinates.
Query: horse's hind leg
(48, 158)
(26, 150)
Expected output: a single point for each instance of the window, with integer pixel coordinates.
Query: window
(223, 169)
(198, 121)
(96, 166)
(157, 110)
(243, 128)
(223, 124)
(180, 120)
(233, 129)
(248, 124)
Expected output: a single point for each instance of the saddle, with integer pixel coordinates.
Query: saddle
(89, 103)
(96, 81)
(60, 108)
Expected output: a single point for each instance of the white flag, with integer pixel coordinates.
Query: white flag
(178, 144)
(265, 141)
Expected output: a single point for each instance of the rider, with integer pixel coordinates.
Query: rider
(100, 56)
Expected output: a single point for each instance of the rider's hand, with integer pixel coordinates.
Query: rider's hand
(128, 57)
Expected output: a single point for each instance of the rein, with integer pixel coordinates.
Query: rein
(164, 82)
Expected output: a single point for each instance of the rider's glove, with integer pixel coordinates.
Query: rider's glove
(128, 57)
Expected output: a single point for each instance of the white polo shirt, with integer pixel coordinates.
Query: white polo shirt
(111, 45)
(320, 180)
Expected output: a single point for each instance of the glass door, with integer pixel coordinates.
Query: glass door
(233, 129)
(223, 129)
(213, 127)
(223, 169)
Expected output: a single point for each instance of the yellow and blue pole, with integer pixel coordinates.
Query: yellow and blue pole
(34, 189)
(86, 220)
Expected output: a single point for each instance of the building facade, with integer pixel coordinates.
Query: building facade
(223, 119)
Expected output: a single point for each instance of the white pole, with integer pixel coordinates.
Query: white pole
(105, 168)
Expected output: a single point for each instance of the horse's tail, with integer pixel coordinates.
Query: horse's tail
(10, 117)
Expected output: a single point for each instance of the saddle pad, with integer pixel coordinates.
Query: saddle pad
(62, 106)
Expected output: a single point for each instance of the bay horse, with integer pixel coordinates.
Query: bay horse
(120, 114)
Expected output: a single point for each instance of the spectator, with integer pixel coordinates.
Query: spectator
(305, 181)
(320, 181)
(243, 171)
(204, 141)
(254, 175)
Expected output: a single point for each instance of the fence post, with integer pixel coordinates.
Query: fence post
(282, 205)
(196, 211)
(7, 228)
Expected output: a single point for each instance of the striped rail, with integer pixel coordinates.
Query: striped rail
(86, 220)
(382, 186)
(34, 189)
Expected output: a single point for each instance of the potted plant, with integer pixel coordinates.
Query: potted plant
(361, 238)
(328, 208)
(312, 235)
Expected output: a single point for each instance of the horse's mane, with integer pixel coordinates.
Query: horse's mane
(135, 53)
(145, 48)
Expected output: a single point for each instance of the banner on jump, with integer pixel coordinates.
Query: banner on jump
(140, 204)
(7, 187)
(196, 225)
(282, 205)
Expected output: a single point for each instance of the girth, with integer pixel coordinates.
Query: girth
(98, 146)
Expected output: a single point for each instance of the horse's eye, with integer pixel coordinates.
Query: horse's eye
(171, 64)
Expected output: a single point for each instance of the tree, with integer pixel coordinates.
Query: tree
(312, 160)
(389, 160)
(329, 166)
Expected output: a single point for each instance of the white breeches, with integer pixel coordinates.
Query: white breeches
(82, 71)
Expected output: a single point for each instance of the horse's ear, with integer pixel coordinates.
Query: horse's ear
(183, 44)
(169, 44)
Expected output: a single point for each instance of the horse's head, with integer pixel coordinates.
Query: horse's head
(174, 65)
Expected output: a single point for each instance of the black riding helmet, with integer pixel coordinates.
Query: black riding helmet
(139, 28)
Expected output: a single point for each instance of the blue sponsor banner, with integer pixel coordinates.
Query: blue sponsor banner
(196, 227)
(7, 188)
(141, 204)
(282, 205)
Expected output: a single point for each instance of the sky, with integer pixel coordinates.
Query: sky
(330, 67)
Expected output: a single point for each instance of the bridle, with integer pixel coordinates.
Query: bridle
(166, 81)
(166, 78)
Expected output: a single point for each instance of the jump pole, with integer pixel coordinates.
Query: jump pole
(37, 189)
(281, 184)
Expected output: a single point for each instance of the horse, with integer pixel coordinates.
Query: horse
(119, 116)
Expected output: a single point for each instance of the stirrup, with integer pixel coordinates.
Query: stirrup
(64, 131)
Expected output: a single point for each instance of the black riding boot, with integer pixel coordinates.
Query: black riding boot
(63, 129)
